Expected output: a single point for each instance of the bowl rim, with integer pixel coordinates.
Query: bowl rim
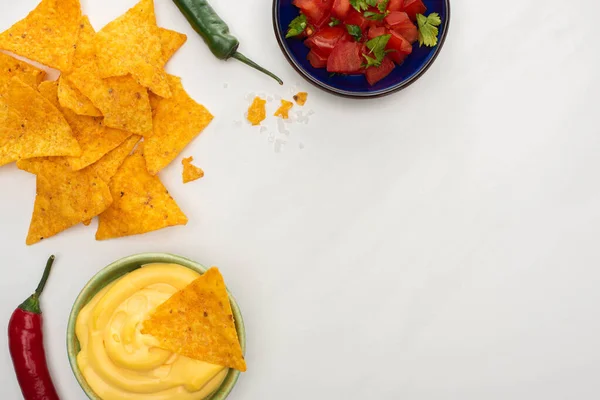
(358, 95)
(116, 270)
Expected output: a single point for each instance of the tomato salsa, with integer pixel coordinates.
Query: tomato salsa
(369, 37)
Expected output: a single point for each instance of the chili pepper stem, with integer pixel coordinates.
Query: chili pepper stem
(32, 304)
(240, 57)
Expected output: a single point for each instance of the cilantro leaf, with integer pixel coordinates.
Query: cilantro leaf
(376, 47)
(334, 22)
(297, 26)
(428, 29)
(355, 32)
(362, 5)
(373, 16)
(382, 6)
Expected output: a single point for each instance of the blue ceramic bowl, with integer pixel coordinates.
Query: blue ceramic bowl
(356, 86)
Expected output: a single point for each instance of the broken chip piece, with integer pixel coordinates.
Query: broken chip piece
(257, 111)
(284, 110)
(300, 98)
(197, 322)
(190, 172)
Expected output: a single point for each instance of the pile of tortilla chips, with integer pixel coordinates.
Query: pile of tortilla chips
(78, 134)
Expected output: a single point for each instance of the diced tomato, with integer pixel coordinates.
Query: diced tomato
(400, 47)
(414, 7)
(317, 60)
(401, 23)
(395, 5)
(356, 18)
(346, 58)
(317, 11)
(340, 9)
(376, 31)
(325, 39)
(375, 74)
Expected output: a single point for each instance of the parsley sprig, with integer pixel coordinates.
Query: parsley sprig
(377, 50)
(297, 26)
(428, 29)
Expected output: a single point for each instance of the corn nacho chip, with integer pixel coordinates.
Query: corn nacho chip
(284, 110)
(93, 137)
(64, 198)
(300, 98)
(33, 127)
(141, 203)
(170, 41)
(108, 165)
(177, 121)
(131, 45)
(10, 67)
(122, 101)
(69, 96)
(257, 111)
(47, 35)
(197, 322)
(190, 171)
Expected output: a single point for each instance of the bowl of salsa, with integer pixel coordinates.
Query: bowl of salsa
(361, 48)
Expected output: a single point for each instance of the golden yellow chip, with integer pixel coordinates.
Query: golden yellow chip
(257, 111)
(94, 139)
(141, 203)
(197, 322)
(108, 165)
(47, 35)
(10, 67)
(177, 121)
(170, 41)
(300, 98)
(284, 110)
(131, 45)
(69, 96)
(64, 198)
(123, 102)
(33, 127)
(190, 171)
(87, 223)
(74, 100)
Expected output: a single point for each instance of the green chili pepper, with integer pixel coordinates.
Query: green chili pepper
(215, 32)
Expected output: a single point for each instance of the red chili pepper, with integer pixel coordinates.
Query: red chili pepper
(26, 343)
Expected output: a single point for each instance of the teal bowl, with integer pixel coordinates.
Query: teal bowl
(117, 270)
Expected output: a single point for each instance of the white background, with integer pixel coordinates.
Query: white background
(440, 243)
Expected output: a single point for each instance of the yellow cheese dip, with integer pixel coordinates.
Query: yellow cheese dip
(120, 363)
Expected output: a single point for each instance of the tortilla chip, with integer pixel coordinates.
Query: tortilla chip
(131, 45)
(10, 67)
(87, 223)
(300, 98)
(170, 41)
(33, 127)
(197, 322)
(177, 121)
(108, 165)
(284, 110)
(190, 172)
(93, 137)
(257, 111)
(74, 100)
(64, 198)
(47, 35)
(122, 101)
(141, 203)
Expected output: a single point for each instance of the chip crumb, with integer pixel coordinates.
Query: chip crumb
(257, 111)
(190, 171)
(300, 98)
(284, 109)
